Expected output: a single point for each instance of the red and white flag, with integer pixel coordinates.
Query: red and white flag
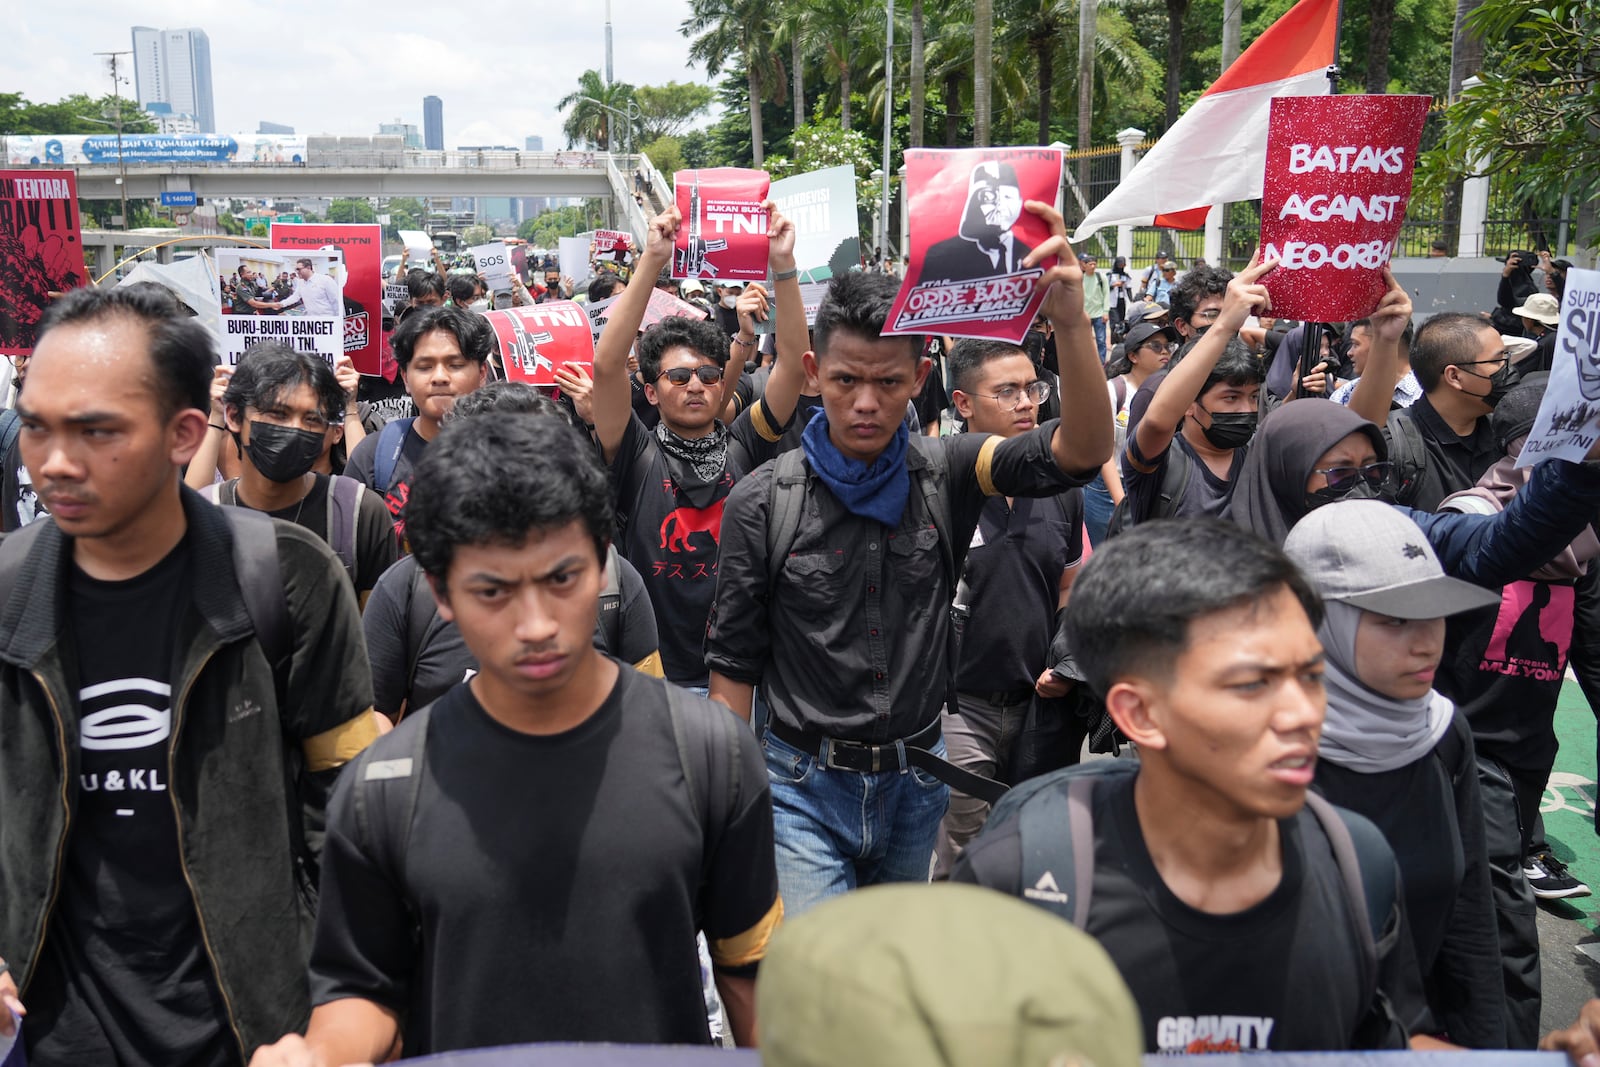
(1216, 152)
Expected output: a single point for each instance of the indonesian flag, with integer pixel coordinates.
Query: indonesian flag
(1216, 153)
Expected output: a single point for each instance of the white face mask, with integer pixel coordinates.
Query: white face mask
(730, 301)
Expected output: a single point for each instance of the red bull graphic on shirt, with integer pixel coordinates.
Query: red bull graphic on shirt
(681, 522)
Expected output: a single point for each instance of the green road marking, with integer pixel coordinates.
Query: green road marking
(1569, 799)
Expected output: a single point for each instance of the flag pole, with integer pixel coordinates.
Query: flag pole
(1311, 332)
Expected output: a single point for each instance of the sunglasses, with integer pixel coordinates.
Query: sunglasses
(707, 374)
(1344, 479)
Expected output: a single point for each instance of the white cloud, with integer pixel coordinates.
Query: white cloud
(336, 66)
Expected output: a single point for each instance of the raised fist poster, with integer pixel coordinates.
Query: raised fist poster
(969, 236)
(361, 247)
(1569, 415)
(535, 340)
(41, 250)
(1337, 183)
(272, 295)
(723, 236)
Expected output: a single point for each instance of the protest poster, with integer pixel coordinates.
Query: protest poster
(494, 263)
(41, 250)
(596, 310)
(723, 235)
(822, 206)
(361, 247)
(418, 244)
(535, 340)
(969, 236)
(573, 256)
(1569, 415)
(270, 295)
(612, 244)
(1337, 182)
(662, 305)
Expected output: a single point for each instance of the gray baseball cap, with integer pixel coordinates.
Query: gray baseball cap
(1368, 554)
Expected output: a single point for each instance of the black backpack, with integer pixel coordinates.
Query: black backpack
(1174, 487)
(1408, 453)
(344, 514)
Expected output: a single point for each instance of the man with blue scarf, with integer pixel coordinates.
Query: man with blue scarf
(837, 570)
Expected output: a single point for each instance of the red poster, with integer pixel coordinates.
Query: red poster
(613, 243)
(41, 250)
(362, 249)
(724, 232)
(535, 340)
(662, 305)
(1337, 183)
(969, 236)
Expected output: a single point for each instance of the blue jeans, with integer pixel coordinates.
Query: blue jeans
(837, 830)
(1099, 336)
(1097, 508)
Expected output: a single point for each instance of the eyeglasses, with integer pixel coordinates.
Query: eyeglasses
(1158, 347)
(1208, 315)
(19, 358)
(1344, 479)
(707, 374)
(1009, 396)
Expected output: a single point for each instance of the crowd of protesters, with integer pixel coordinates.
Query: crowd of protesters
(344, 719)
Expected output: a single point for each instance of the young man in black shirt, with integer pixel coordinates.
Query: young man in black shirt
(847, 627)
(1019, 569)
(531, 859)
(443, 353)
(165, 749)
(1215, 891)
(671, 483)
(281, 408)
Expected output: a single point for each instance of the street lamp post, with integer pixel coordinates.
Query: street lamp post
(629, 116)
(116, 96)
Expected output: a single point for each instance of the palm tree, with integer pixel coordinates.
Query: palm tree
(918, 79)
(590, 123)
(1039, 27)
(726, 31)
(834, 25)
(982, 69)
(1176, 10)
(794, 29)
(1088, 18)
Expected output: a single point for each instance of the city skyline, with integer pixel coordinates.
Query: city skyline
(172, 66)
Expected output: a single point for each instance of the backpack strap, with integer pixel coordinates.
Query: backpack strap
(1174, 482)
(702, 740)
(255, 564)
(223, 494)
(1366, 864)
(344, 513)
(385, 799)
(786, 502)
(422, 614)
(611, 603)
(391, 442)
(1119, 386)
(1408, 453)
(1057, 853)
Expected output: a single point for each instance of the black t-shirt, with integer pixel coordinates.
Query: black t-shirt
(1142, 477)
(375, 545)
(417, 657)
(1013, 572)
(558, 882)
(361, 468)
(124, 976)
(1283, 975)
(1454, 462)
(388, 399)
(671, 525)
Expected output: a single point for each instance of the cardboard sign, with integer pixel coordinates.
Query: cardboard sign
(822, 206)
(361, 247)
(1337, 183)
(494, 263)
(662, 305)
(270, 295)
(535, 340)
(724, 230)
(573, 256)
(612, 243)
(41, 250)
(419, 244)
(969, 236)
(1569, 415)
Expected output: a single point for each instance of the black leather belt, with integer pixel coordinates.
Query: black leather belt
(863, 758)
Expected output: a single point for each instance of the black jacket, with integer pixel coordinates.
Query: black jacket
(233, 753)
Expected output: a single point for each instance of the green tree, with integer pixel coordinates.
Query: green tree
(405, 213)
(473, 236)
(666, 153)
(351, 211)
(735, 34)
(78, 113)
(590, 122)
(667, 110)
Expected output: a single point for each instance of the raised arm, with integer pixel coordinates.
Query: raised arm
(1245, 296)
(1374, 390)
(613, 399)
(788, 375)
(1082, 441)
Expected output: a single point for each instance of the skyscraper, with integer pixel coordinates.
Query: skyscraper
(173, 67)
(535, 143)
(433, 124)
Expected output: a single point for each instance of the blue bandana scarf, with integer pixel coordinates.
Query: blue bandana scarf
(876, 490)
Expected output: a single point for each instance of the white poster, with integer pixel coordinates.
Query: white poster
(294, 298)
(574, 258)
(494, 263)
(1569, 416)
(419, 244)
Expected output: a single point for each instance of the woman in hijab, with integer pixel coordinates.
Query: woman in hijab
(1394, 750)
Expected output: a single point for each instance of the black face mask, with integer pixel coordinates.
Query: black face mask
(1230, 429)
(1363, 490)
(1500, 382)
(1033, 344)
(282, 453)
